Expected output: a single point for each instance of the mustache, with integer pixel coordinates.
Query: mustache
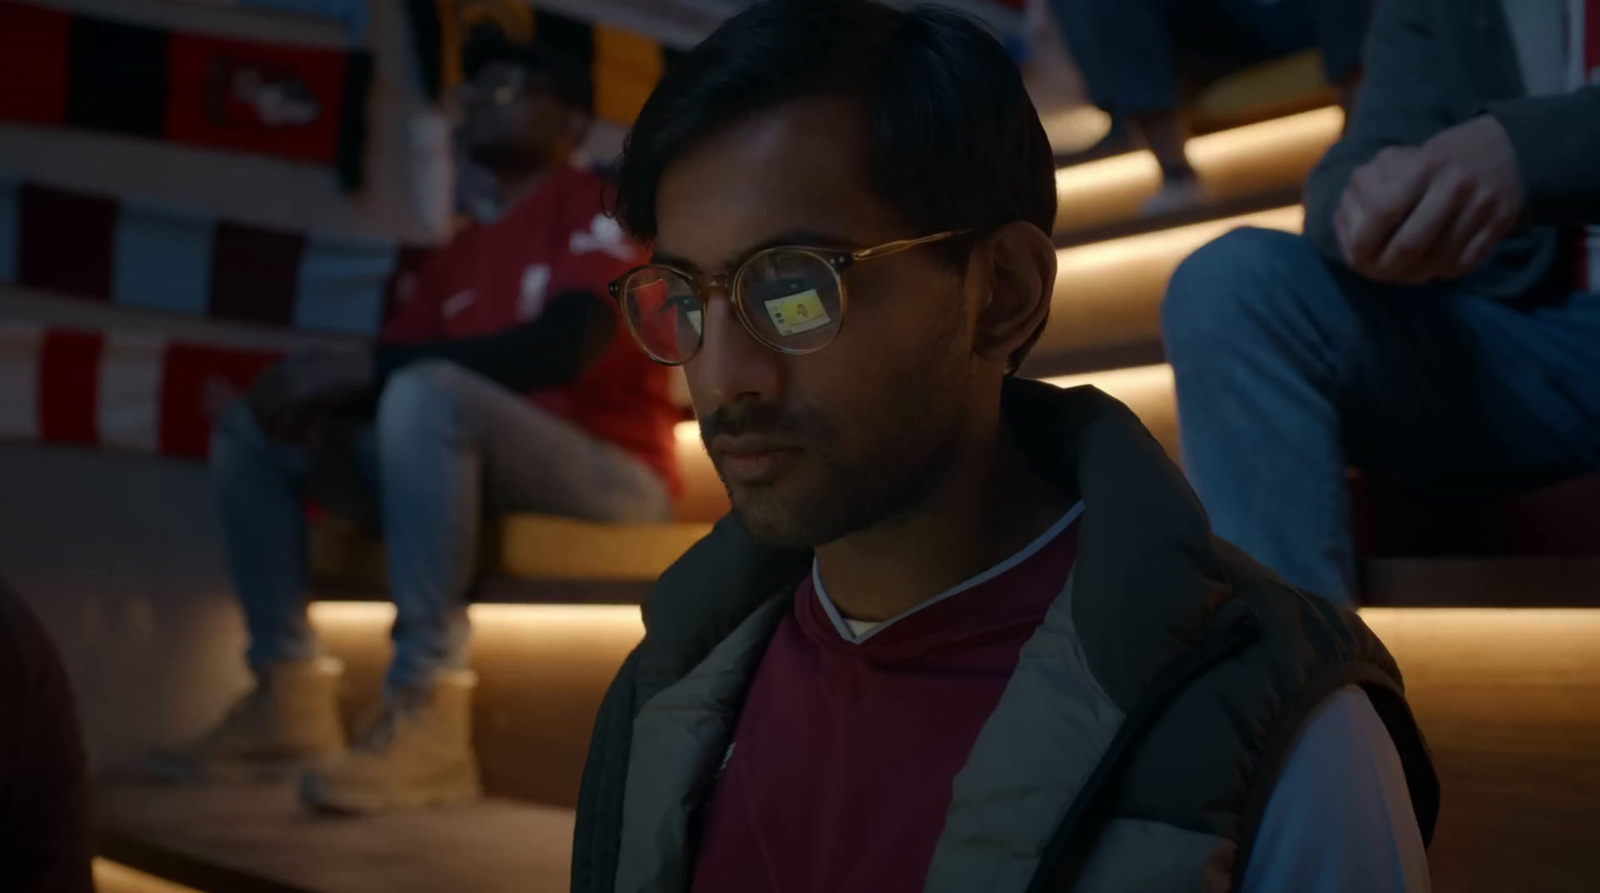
(800, 424)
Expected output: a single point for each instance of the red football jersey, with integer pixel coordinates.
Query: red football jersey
(491, 277)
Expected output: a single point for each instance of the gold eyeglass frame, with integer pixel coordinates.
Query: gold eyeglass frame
(837, 260)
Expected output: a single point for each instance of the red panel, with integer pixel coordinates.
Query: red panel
(253, 97)
(196, 382)
(1591, 41)
(69, 376)
(1559, 520)
(64, 241)
(33, 64)
(255, 273)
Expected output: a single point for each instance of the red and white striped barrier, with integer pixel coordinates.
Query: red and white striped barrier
(118, 390)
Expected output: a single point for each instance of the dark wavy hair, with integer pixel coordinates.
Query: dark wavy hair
(956, 142)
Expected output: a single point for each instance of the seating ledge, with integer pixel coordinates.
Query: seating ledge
(527, 558)
(1553, 581)
(257, 839)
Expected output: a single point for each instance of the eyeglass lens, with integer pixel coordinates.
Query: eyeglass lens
(791, 301)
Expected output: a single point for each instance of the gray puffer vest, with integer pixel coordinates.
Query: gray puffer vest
(1134, 747)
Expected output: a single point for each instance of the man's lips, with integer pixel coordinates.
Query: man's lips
(750, 460)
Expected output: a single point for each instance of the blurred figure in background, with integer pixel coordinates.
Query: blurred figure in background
(46, 837)
(1134, 53)
(506, 381)
(1439, 322)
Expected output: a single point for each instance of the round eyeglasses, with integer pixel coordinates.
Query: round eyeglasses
(790, 298)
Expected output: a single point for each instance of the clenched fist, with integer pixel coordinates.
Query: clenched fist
(1416, 214)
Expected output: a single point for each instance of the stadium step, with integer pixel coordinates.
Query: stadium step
(256, 839)
(1242, 169)
(1534, 672)
(1108, 294)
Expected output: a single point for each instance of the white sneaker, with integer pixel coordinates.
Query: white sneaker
(416, 752)
(287, 723)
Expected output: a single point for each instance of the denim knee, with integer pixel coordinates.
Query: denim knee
(235, 436)
(1232, 289)
(422, 398)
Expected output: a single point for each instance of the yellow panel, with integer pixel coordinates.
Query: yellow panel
(550, 548)
(626, 68)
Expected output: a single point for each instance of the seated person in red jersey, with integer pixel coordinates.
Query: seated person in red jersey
(505, 382)
(962, 631)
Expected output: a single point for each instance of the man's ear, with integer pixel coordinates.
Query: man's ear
(1019, 262)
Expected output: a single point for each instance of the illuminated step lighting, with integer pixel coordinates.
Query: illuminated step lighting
(613, 623)
(1231, 164)
(1135, 386)
(1498, 643)
(1492, 647)
(114, 877)
(1109, 293)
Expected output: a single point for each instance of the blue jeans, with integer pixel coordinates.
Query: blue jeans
(1132, 51)
(446, 447)
(1289, 369)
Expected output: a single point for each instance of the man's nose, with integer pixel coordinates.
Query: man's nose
(732, 365)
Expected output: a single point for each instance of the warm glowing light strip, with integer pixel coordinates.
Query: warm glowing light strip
(1577, 630)
(621, 618)
(1562, 636)
(114, 877)
(1132, 256)
(1231, 163)
(1134, 380)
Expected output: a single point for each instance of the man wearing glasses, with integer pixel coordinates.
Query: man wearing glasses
(506, 381)
(962, 631)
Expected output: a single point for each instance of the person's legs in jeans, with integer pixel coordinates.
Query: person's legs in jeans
(1290, 369)
(290, 718)
(259, 489)
(451, 444)
(1124, 48)
(1336, 27)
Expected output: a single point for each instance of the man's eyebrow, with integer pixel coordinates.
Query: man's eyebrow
(808, 238)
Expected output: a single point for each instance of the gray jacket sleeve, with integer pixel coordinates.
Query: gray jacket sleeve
(1557, 140)
(1406, 98)
(1340, 819)
(1403, 101)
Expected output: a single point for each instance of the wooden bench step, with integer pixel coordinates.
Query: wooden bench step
(257, 839)
(1537, 581)
(535, 549)
(1108, 294)
(1237, 167)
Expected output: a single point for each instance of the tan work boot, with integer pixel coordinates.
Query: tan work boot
(416, 752)
(287, 723)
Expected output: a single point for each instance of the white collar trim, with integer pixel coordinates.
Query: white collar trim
(842, 626)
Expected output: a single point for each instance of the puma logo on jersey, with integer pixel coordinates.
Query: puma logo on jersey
(605, 234)
(458, 302)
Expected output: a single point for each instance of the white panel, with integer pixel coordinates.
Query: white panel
(19, 381)
(128, 402)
